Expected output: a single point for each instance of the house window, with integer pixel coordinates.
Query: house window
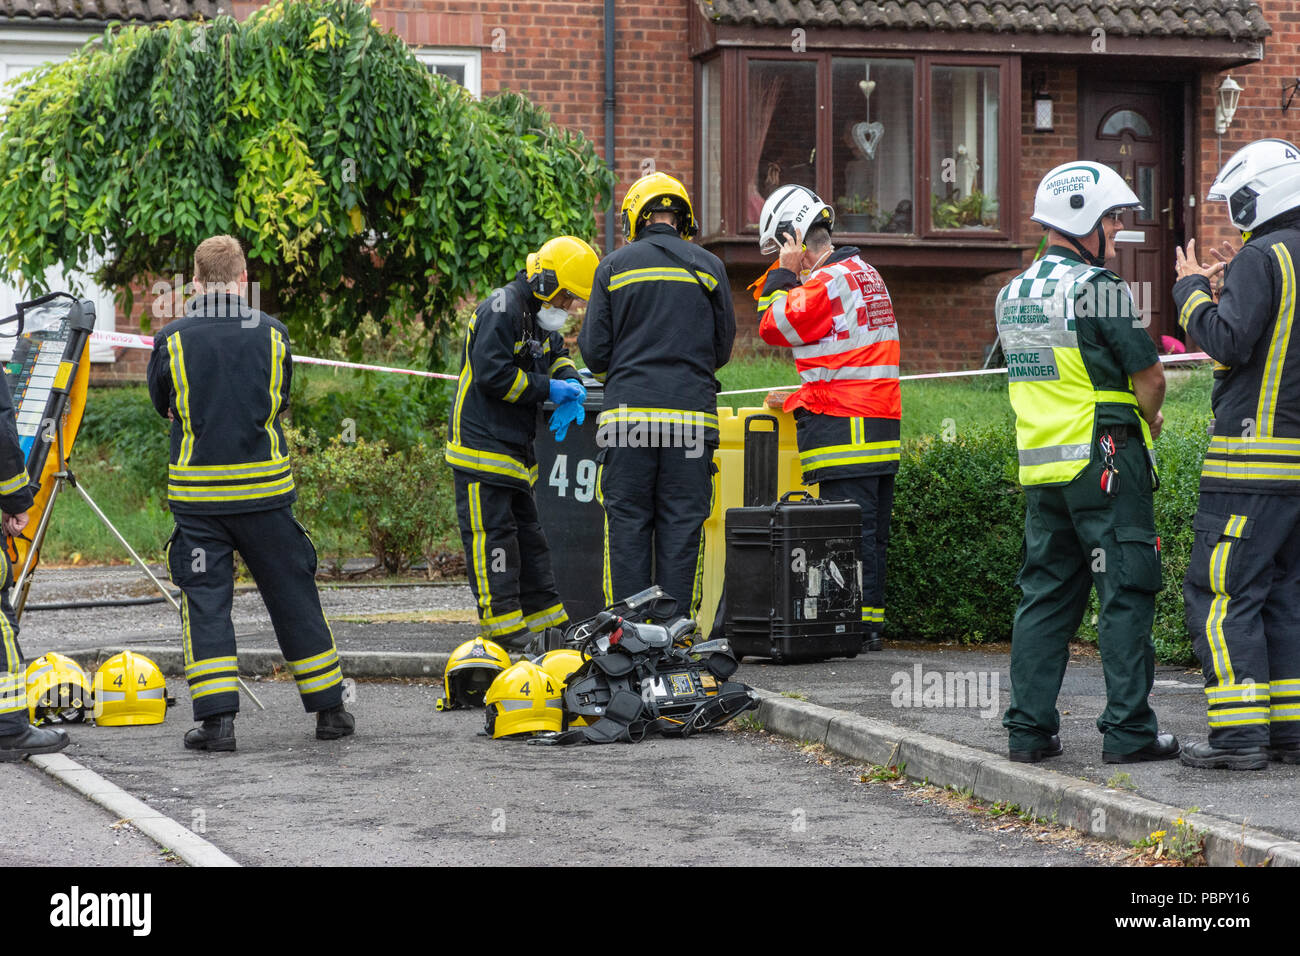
(906, 147)
(780, 130)
(874, 156)
(964, 148)
(459, 66)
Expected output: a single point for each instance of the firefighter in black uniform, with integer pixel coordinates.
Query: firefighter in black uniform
(659, 326)
(1244, 575)
(17, 737)
(515, 359)
(221, 375)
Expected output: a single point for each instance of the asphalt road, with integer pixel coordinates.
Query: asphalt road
(43, 823)
(414, 787)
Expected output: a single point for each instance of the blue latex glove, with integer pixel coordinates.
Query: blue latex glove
(563, 390)
(565, 414)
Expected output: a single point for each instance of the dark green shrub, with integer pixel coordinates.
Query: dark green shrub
(400, 504)
(955, 539)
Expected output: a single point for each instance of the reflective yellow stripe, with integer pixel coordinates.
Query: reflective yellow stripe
(697, 585)
(861, 453)
(462, 386)
(210, 665)
(630, 415)
(278, 351)
(181, 382)
(1219, 606)
(517, 387)
(315, 663)
(1271, 382)
(490, 462)
(263, 489)
(1238, 717)
(219, 685)
(16, 483)
(252, 469)
(314, 685)
(606, 579)
(549, 617)
(1253, 470)
(502, 624)
(1285, 688)
(1194, 302)
(873, 615)
(559, 363)
(659, 274)
(478, 549)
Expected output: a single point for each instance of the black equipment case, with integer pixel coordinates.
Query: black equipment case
(794, 590)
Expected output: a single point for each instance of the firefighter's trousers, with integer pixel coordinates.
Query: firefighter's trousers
(656, 501)
(874, 494)
(13, 680)
(1077, 537)
(1242, 600)
(282, 560)
(508, 561)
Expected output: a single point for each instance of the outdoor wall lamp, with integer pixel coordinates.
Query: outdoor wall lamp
(1042, 106)
(1226, 108)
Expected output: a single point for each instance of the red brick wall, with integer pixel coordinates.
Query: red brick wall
(554, 51)
(1259, 115)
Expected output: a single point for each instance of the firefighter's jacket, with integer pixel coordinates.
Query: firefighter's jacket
(1255, 445)
(507, 365)
(223, 371)
(660, 323)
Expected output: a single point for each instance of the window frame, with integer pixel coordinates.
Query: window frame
(734, 77)
(471, 59)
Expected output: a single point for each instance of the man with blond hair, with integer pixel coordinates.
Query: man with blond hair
(221, 375)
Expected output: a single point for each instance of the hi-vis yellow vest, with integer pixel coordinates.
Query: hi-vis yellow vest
(1053, 396)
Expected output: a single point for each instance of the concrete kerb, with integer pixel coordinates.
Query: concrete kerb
(1088, 807)
(163, 830)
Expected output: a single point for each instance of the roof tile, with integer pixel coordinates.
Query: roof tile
(1224, 19)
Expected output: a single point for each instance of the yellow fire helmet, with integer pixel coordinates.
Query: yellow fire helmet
(561, 664)
(129, 690)
(470, 671)
(563, 264)
(523, 699)
(655, 193)
(57, 690)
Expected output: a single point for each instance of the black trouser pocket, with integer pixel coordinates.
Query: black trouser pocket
(1139, 556)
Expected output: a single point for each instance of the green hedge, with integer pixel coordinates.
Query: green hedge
(958, 526)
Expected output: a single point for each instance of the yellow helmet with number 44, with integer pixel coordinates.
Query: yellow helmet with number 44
(129, 690)
(523, 699)
(57, 690)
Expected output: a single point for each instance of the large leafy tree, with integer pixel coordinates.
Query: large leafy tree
(362, 184)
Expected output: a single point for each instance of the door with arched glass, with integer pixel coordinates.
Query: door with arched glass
(1131, 127)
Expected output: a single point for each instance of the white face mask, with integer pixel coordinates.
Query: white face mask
(550, 318)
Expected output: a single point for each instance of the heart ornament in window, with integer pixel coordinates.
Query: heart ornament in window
(866, 136)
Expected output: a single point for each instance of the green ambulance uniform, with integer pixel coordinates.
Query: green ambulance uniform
(1072, 337)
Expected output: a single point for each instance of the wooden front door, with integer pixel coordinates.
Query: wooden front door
(1135, 128)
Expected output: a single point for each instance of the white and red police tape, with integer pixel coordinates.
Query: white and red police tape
(126, 340)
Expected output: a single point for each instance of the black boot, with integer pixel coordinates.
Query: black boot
(33, 740)
(1208, 757)
(217, 733)
(334, 723)
(874, 642)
